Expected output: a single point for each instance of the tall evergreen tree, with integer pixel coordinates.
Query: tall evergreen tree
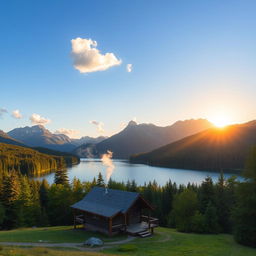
(61, 177)
(100, 181)
(245, 212)
(211, 219)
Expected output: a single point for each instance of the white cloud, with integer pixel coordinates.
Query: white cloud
(87, 58)
(129, 68)
(69, 132)
(100, 126)
(37, 119)
(3, 111)
(16, 114)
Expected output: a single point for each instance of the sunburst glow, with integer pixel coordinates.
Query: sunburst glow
(221, 120)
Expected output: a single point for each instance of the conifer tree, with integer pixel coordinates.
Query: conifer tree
(61, 177)
(244, 214)
(211, 219)
(100, 181)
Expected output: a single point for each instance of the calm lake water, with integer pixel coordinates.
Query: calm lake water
(124, 171)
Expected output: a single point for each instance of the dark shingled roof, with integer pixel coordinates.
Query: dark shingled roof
(106, 204)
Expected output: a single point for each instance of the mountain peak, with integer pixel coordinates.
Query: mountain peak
(132, 123)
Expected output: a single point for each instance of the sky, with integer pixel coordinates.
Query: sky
(89, 67)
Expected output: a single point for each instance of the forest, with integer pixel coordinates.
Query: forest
(33, 161)
(227, 206)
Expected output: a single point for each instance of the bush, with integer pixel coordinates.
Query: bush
(198, 223)
(184, 208)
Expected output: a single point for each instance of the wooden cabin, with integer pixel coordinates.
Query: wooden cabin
(112, 211)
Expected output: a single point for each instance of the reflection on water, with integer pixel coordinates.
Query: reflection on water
(124, 171)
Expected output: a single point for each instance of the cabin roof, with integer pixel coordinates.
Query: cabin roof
(108, 204)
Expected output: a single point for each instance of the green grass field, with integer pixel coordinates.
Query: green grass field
(172, 243)
(164, 242)
(61, 234)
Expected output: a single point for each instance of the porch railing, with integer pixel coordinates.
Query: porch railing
(150, 220)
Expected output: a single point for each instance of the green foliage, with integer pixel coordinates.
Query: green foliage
(61, 177)
(31, 162)
(211, 219)
(185, 206)
(198, 223)
(244, 214)
(100, 181)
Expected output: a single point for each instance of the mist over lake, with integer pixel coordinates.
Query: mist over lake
(124, 171)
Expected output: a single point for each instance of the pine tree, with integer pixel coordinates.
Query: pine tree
(100, 181)
(61, 177)
(244, 215)
(211, 219)
(206, 194)
(10, 199)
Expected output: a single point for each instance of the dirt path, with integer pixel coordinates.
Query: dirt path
(78, 246)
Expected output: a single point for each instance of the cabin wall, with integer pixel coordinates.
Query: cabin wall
(119, 219)
(96, 223)
(134, 213)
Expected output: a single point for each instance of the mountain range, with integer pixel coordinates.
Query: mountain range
(5, 138)
(213, 149)
(137, 138)
(39, 136)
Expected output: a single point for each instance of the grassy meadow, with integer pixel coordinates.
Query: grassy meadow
(59, 234)
(164, 242)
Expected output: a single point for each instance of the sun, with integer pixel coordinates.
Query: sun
(220, 120)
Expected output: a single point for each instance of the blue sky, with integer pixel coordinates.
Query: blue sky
(190, 59)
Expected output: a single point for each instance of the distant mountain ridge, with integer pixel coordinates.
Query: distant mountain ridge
(39, 136)
(5, 138)
(137, 138)
(214, 149)
(87, 139)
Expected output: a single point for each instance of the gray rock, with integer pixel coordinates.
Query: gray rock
(93, 241)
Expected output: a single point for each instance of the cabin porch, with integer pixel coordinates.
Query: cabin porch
(146, 225)
(143, 228)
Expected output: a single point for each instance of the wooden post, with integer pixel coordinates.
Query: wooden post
(149, 220)
(110, 226)
(74, 212)
(125, 221)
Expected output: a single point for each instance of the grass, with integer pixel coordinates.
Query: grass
(16, 251)
(172, 243)
(164, 242)
(60, 234)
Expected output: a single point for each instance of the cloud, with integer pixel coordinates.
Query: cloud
(129, 68)
(69, 132)
(87, 58)
(3, 111)
(16, 114)
(37, 119)
(100, 126)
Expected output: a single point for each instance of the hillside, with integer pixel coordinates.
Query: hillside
(39, 136)
(30, 161)
(136, 138)
(214, 149)
(5, 138)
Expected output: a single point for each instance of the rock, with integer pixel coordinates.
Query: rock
(93, 241)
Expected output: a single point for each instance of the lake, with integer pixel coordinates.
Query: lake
(124, 171)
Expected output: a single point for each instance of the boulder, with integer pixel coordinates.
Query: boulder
(93, 241)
